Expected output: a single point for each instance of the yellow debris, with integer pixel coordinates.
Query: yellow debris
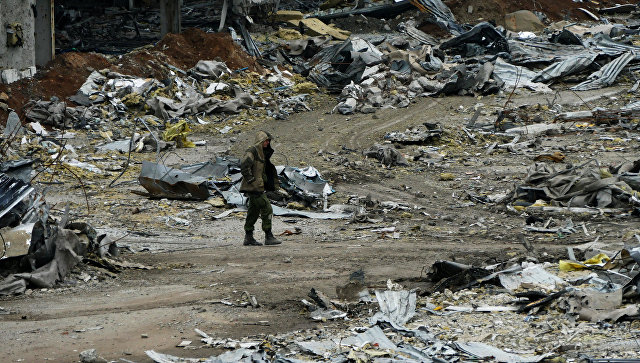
(447, 176)
(289, 34)
(598, 260)
(178, 132)
(406, 215)
(215, 201)
(132, 99)
(305, 87)
(317, 27)
(296, 206)
(539, 203)
(604, 173)
(286, 15)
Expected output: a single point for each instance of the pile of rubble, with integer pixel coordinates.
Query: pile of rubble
(427, 324)
(37, 250)
(380, 71)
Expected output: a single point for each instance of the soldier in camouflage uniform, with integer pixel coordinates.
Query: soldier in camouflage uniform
(258, 177)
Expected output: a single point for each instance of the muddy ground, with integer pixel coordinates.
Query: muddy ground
(191, 268)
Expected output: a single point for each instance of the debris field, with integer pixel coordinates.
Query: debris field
(459, 181)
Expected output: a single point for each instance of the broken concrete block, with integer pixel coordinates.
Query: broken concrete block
(415, 86)
(368, 109)
(90, 356)
(27, 72)
(429, 85)
(348, 106)
(9, 76)
(14, 126)
(375, 99)
(523, 20)
(403, 101)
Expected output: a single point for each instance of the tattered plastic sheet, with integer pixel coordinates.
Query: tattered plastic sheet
(606, 75)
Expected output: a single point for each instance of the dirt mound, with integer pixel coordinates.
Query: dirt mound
(495, 10)
(61, 78)
(64, 75)
(186, 49)
(146, 63)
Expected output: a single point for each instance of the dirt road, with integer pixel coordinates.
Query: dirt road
(194, 267)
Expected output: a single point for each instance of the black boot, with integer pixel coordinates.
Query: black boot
(269, 239)
(249, 240)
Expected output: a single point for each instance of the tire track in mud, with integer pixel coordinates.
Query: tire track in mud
(368, 126)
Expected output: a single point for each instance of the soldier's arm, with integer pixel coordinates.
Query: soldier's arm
(246, 167)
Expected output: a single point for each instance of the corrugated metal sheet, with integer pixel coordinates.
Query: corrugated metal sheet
(606, 75)
(12, 191)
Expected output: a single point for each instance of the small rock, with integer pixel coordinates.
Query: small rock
(91, 356)
(144, 336)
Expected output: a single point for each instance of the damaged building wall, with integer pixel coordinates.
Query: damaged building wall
(17, 40)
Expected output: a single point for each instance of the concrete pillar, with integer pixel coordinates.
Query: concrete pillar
(44, 32)
(170, 16)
